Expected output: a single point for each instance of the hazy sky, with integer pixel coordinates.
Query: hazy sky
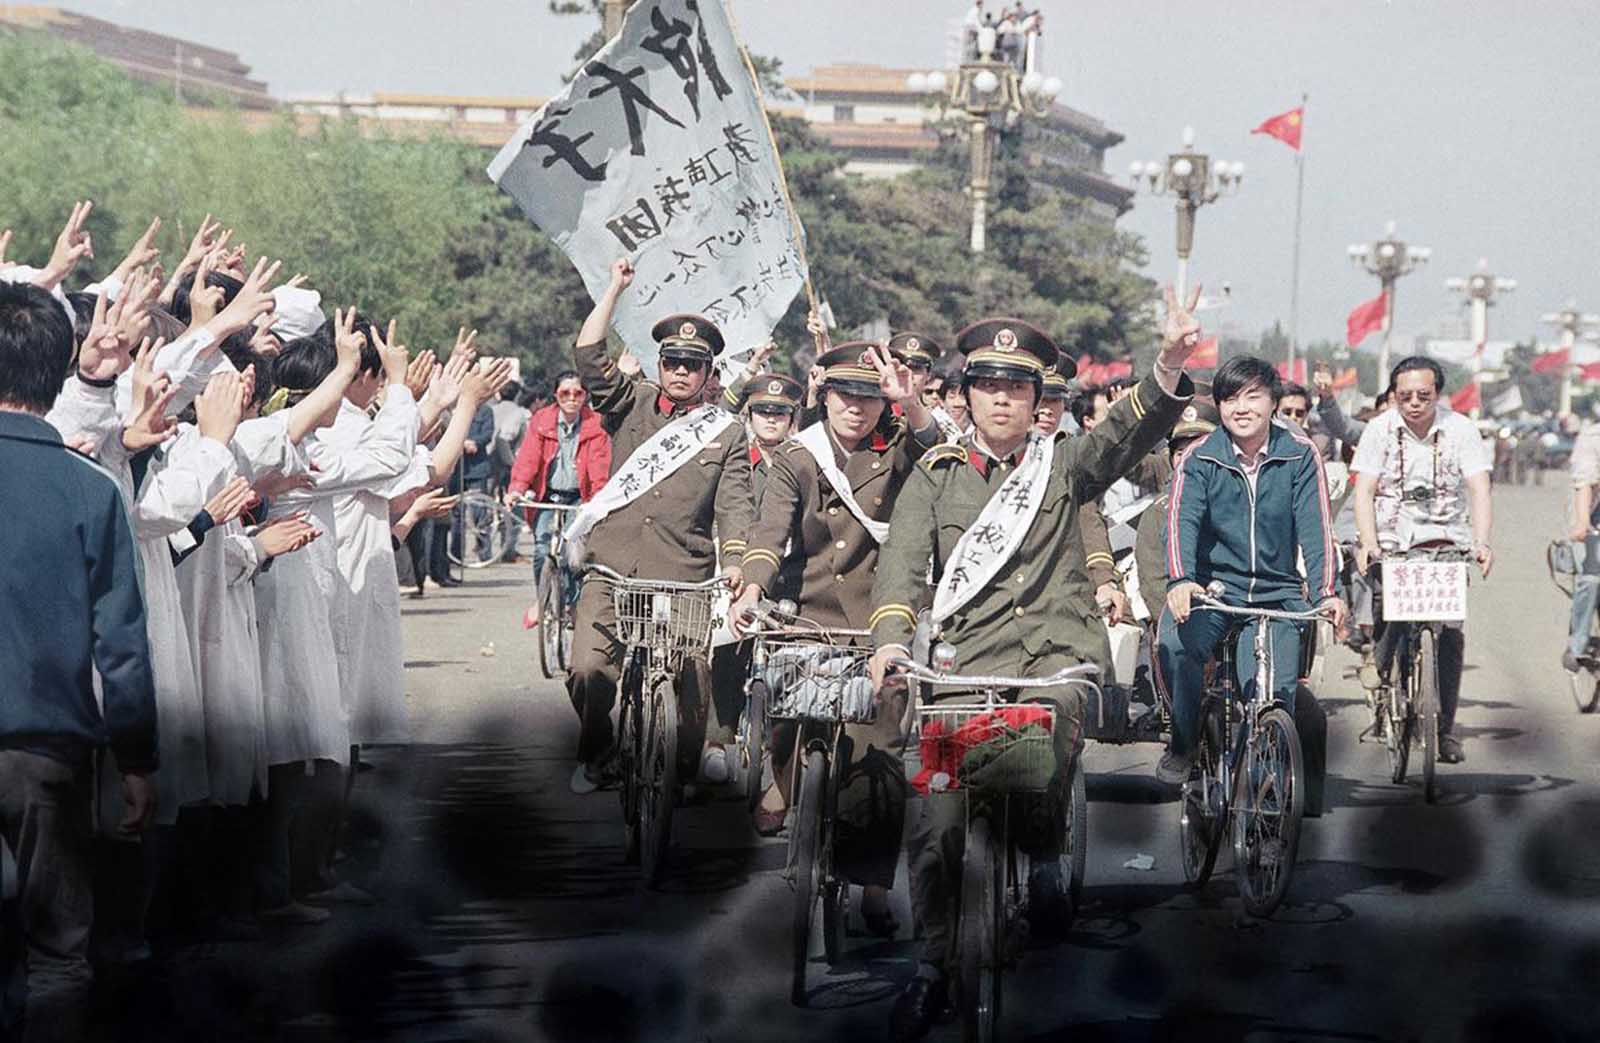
(1470, 122)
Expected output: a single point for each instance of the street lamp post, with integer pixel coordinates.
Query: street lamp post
(1571, 322)
(990, 93)
(1195, 179)
(1480, 289)
(1389, 258)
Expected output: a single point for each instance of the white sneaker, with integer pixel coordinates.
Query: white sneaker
(714, 765)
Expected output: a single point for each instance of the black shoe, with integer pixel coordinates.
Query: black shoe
(1450, 750)
(923, 1003)
(447, 581)
(1050, 906)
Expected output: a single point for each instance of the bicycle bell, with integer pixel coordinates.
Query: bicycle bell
(944, 657)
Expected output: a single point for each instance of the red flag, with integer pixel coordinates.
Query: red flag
(1285, 127)
(1590, 371)
(1205, 355)
(1551, 361)
(1345, 379)
(1467, 399)
(1367, 318)
(1299, 373)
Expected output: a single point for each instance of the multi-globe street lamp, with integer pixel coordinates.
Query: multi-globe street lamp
(1571, 322)
(1388, 258)
(1196, 180)
(991, 93)
(1480, 289)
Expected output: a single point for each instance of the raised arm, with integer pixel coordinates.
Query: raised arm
(611, 391)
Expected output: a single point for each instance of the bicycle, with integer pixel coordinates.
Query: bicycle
(1411, 706)
(487, 528)
(1248, 768)
(664, 626)
(555, 608)
(998, 750)
(816, 677)
(1584, 684)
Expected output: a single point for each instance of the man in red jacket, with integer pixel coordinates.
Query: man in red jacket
(565, 458)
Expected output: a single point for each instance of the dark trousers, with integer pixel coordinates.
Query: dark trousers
(1451, 652)
(46, 821)
(438, 556)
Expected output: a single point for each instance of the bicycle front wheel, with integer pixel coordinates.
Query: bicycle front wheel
(1269, 800)
(1426, 684)
(1078, 832)
(1202, 810)
(659, 791)
(982, 920)
(630, 755)
(807, 868)
(549, 601)
(751, 742)
(1585, 683)
(485, 529)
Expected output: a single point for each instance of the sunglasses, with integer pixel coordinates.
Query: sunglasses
(1296, 413)
(772, 411)
(687, 365)
(577, 393)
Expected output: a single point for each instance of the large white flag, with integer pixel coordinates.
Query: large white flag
(658, 150)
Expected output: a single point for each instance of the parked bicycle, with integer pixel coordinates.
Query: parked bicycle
(1409, 701)
(666, 628)
(815, 677)
(1001, 751)
(487, 528)
(1248, 767)
(1583, 683)
(555, 593)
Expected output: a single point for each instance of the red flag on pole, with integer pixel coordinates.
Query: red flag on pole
(1205, 355)
(1285, 127)
(1298, 374)
(1591, 371)
(1366, 318)
(1345, 379)
(1551, 361)
(1467, 399)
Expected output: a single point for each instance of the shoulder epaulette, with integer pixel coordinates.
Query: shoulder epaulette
(943, 455)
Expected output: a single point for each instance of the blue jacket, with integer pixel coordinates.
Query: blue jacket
(1218, 530)
(475, 468)
(70, 602)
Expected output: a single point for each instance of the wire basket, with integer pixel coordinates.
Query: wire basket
(670, 621)
(815, 681)
(1006, 748)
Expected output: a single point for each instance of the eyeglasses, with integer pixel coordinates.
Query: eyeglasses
(777, 412)
(572, 393)
(687, 365)
(1295, 414)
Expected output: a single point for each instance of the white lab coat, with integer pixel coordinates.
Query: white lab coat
(219, 609)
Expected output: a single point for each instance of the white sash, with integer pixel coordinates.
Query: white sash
(948, 428)
(990, 541)
(820, 446)
(660, 455)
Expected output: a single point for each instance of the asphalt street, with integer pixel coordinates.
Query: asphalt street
(506, 912)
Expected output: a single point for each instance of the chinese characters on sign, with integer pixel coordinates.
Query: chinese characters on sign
(658, 151)
(1420, 591)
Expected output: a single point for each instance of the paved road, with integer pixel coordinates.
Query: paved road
(507, 913)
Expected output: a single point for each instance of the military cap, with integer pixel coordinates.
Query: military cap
(772, 389)
(1200, 418)
(914, 349)
(848, 370)
(1010, 349)
(688, 336)
(1055, 385)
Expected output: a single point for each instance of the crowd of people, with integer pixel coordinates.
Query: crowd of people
(233, 474)
(207, 633)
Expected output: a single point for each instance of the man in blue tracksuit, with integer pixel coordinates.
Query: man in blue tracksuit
(1248, 503)
(70, 607)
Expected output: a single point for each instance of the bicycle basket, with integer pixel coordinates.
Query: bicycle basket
(1561, 558)
(668, 621)
(813, 681)
(1000, 749)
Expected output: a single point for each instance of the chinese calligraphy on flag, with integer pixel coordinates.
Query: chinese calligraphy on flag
(658, 150)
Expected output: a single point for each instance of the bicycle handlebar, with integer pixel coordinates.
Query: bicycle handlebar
(783, 624)
(1083, 674)
(1206, 601)
(664, 585)
(525, 503)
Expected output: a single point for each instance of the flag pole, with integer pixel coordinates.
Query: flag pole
(1294, 286)
(777, 156)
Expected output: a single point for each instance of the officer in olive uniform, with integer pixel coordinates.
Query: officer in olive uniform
(665, 533)
(1199, 419)
(1026, 622)
(805, 519)
(775, 400)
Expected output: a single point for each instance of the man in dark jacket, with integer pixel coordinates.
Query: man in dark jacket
(1244, 500)
(70, 604)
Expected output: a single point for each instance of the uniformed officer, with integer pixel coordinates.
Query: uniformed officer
(807, 519)
(1020, 620)
(656, 524)
(769, 404)
(1199, 419)
(1053, 397)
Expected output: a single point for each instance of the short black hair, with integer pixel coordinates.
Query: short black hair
(1083, 404)
(35, 347)
(82, 315)
(303, 364)
(566, 375)
(1291, 389)
(180, 299)
(1240, 372)
(510, 392)
(371, 361)
(1383, 396)
(1415, 363)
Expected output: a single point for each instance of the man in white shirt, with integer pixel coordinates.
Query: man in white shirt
(1422, 475)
